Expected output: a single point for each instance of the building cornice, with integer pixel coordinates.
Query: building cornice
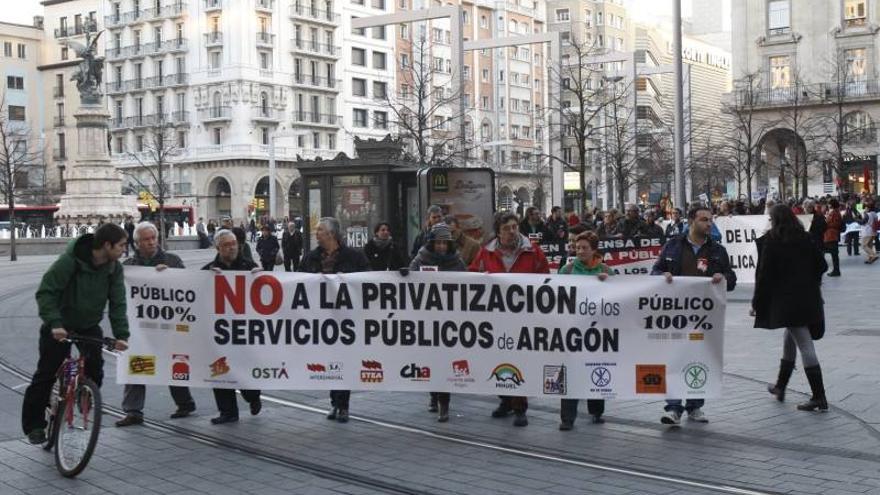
(53, 2)
(15, 24)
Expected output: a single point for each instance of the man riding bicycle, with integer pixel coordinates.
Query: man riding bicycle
(71, 299)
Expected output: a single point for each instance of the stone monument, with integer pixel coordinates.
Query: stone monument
(93, 185)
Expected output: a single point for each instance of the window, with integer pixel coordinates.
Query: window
(404, 61)
(358, 31)
(264, 61)
(218, 135)
(378, 4)
(855, 64)
(485, 75)
(484, 22)
(780, 71)
(139, 143)
(465, 17)
(181, 139)
(779, 17)
(565, 36)
(360, 117)
(466, 73)
(7, 49)
(16, 112)
(214, 58)
(380, 90)
(119, 144)
(438, 64)
(380, 120)
(22, 53)
(316, 140)
(854, 12)
(599, 20)
(359, 57)
(404, 31)
(331, 141)
(14, 82)
(358, 87)
(380, 60)
(484, 102)
(588, 18)
(64, 53)
(62, 145)
(379, 33)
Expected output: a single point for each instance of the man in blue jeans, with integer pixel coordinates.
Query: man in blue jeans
(693, 254)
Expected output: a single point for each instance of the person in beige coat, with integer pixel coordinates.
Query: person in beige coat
(466, 246)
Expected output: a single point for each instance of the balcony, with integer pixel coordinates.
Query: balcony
(174, 80)
(213, 5)
(115, 87)
(58, 121)
(214, 38)
(162, 47)
(115, 53)
(312, 47)
(215, 114)
(317, 119)
(180, 118)
(305, 12)
(265, 6)
(117, 123)
(807, 94)
(167, 12)
(67, 31)
(317, 82)
(58, 92)
(266, 40)
(114, 21)
(265, 114)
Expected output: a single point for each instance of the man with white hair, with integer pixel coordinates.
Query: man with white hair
(147, 252)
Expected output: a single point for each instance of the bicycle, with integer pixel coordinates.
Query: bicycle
(73, 415)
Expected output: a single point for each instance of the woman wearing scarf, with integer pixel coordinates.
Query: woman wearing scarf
(438, 254)
(382, 252)
(588, 262)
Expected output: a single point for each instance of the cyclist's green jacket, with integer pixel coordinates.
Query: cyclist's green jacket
(73, 292)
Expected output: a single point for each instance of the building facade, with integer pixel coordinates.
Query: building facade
(816, 59)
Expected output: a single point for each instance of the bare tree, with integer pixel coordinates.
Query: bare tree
(746, 129)
(582, 98)
(18, 158)
(160, 150)
(425, 109)
(619, 145)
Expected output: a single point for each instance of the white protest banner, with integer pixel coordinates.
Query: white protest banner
(738, 236)
(532, 335)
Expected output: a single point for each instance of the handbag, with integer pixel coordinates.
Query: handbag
(817, 328)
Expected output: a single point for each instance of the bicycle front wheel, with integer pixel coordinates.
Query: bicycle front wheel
(78, 424)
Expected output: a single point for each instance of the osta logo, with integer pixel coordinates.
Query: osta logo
(219, 367)
(180, 367)
(142, 365)
(416, 373)
(371, 372)
(270, 373)
(507, 375)
(555, 382)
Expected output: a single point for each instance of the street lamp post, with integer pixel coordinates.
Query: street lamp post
(679, 105)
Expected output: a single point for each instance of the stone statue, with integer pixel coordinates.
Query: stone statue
(88, 77)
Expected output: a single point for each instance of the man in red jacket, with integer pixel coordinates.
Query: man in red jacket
(510, 252)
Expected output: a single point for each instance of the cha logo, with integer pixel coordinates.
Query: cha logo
(696, 375)
(507, 375)
(416, 373)
(555, 380)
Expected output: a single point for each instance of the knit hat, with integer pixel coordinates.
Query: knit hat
(440, 232)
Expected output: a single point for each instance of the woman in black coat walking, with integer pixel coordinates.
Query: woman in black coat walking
(788, 295)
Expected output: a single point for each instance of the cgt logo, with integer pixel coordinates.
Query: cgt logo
(507, 375)
(142, 365)
(270, 373)
(416, 373)
(180, 367)
(219, 367)
(650, 378)
(371, 372)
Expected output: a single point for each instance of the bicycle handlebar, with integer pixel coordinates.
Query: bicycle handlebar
(105, 342)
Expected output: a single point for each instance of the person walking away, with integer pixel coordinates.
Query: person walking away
(244, 249)
(439, 252)
(510, 252)
(588, 262)
(333, 256)
(693, 254)
(229, 259)
(851, 237)
(202, 233)
(382, 251)
(291, 247)
(869, 232)
(831, 237)
(129, 231)
(149, 253)
(788, 295)
(70, 300)
(817, 223)
(267, 248)
(252, 229)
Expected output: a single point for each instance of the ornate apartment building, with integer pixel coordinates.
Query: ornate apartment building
(818, 59)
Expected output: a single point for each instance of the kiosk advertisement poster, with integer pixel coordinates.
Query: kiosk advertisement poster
(511, 334)
(467, 194)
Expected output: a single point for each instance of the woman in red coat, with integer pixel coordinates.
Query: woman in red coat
(831, 237)
(510, 252)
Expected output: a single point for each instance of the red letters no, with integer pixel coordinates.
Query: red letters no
(256, 293)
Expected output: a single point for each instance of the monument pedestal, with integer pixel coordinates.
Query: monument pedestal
(93, 185)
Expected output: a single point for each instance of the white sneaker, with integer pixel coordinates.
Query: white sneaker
(698, 416)
(671, 418)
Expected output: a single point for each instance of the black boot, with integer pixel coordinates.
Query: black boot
(432, 407)
(817, 401)
(785, 370)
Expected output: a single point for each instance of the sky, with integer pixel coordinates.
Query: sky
(23, 11)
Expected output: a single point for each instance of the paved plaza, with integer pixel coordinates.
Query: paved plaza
(753, 444)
